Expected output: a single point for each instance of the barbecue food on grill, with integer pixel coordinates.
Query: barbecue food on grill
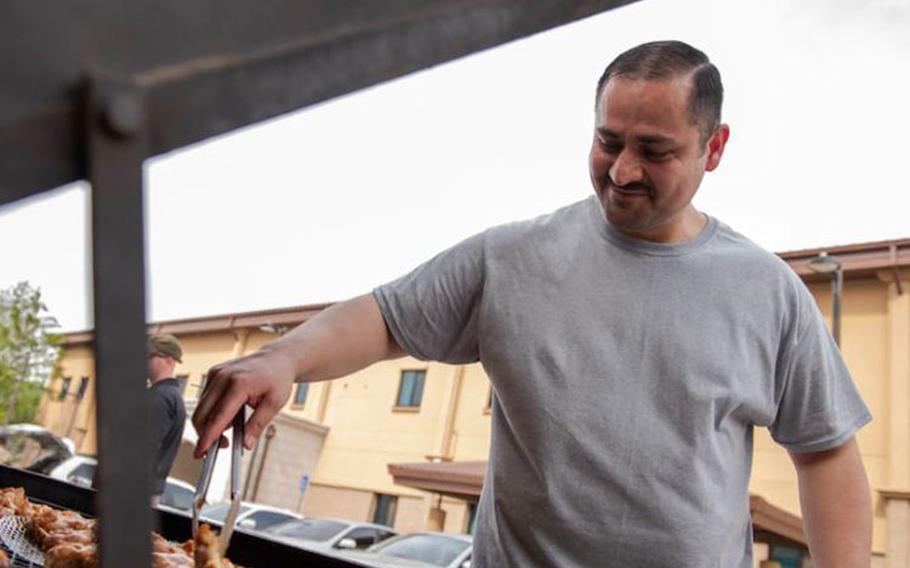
(164, 555)
(50, 527)
(71, 555)
(13, 501)
(208, 553)
(172, 560)
(167, 555)
(69, 540)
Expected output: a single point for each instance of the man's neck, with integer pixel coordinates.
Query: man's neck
(688, 226)
(159, 379)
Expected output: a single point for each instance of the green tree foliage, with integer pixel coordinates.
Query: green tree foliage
(28, 352)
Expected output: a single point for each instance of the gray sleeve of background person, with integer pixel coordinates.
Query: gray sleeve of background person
(819, 407)
(432, 311)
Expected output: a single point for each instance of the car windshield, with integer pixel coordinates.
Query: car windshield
(433, 549)
(82, 475)
(219, 511)
(308, 529)
(32, 448)
(177, 497)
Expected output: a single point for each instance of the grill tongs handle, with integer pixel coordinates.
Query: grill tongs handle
(205, 479)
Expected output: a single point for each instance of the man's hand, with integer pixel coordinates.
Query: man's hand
(338, 341)
(837, 508)
(262, 380)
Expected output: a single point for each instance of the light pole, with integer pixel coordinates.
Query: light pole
(824, 264)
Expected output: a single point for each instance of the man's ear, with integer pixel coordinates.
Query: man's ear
(716, 145)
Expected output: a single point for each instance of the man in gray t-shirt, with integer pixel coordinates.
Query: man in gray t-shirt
(633, 344)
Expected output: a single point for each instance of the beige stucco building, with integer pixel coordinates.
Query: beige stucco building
(349, 436)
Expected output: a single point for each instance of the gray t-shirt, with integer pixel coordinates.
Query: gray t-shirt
(628, 377)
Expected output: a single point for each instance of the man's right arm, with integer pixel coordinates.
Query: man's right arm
(338, 341)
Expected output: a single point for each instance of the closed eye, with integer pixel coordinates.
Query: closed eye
(657, 156)
(609, 146)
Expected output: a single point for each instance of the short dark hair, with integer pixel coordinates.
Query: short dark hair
(659, 60)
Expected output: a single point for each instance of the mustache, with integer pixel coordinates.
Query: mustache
(638, 186)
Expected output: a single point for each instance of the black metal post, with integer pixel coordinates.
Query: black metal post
(116, 148)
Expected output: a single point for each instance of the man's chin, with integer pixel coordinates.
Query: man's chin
(623, 218)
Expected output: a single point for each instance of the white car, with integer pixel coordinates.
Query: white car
(418, 550)
(33, 448)
(324, 534)
(252, 517)
(80, 470)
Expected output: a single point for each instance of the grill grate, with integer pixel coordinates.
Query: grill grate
(15, 542)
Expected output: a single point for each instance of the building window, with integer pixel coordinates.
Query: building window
(83, 386)
(182, 380)
(472, 517)
(300, 394)
(200, 388)
(787, 557)
(410, 390)
(65, 387)
(384, 512)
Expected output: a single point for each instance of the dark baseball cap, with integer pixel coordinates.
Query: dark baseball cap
(167, 345)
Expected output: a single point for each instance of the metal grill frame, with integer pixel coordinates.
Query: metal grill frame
(93, 88)
(246, 549)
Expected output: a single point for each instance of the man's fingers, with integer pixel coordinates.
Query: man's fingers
(258, 421)
(217, 421)
(215, 386)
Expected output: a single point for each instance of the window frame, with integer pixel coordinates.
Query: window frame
(405, 399)
(305, 386)
(182, 381)
(83, 387)
(65, 383)
(391, 509)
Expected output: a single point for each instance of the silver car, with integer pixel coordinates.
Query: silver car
(418, 550)
(251, 517)
(318, 533)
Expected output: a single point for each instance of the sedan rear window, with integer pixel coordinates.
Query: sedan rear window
(432, 549)
(308, 529)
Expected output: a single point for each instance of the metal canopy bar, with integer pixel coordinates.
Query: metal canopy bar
(198, 99)
(115, 136)
(203, 79)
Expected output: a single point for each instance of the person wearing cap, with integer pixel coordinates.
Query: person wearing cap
(168, 413)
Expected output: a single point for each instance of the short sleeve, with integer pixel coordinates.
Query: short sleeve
(820, 407)
(432, 312)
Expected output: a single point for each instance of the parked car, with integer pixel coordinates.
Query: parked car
(177, 496)
(80, 470)
(423, 550)
(252, 517)
(33, 448)
(316, 533)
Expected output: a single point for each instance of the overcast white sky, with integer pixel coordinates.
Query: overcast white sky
(325, 203)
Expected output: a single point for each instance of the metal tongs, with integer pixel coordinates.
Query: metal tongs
(205, 479)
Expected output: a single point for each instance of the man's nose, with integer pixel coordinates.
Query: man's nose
(626, 169)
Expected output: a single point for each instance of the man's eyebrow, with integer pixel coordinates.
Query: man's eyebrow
(655, 139)
(643, 139)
